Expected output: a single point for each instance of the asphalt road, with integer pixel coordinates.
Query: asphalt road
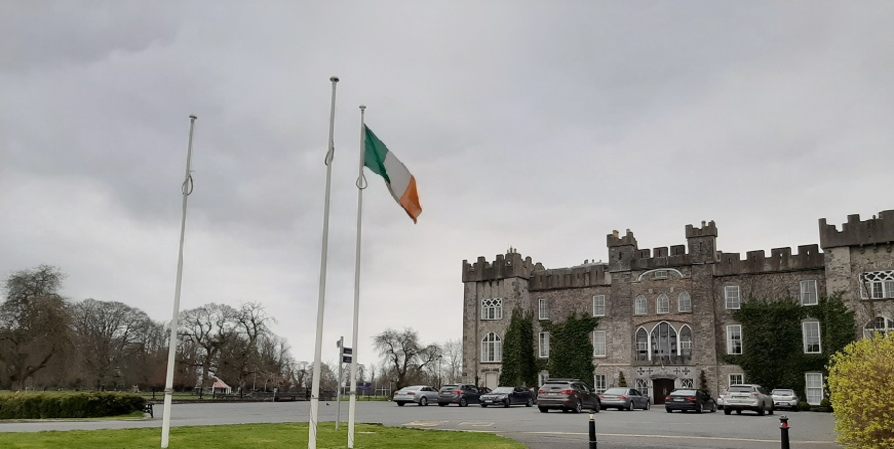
(639, 429)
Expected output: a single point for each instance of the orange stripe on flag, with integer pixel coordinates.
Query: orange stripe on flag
(410, 200)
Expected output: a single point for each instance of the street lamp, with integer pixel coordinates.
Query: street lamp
(439, 372)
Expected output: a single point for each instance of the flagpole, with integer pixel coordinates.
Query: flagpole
(186, 188)
(361, 184)
(321, 303)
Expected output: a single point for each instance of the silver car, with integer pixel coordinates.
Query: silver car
(420, 394)
(785, 398)
(624, 399)
(747, 397)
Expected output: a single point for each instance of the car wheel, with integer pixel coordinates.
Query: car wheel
(726, 411)
(630, 407)
(442, 404)
(770, 412)
(713, 408)
(483, 405)
(668, 410)
(543, 410)
(506, 403)
(760, 411)
(796, 408)
(738, 412)
(463, 402)
(578, 407)
(530, 403)
(400, 404)
(648, 405)
(423, 402)
(700, 408)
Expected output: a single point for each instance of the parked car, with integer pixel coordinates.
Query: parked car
(785, 398)
(507, 396)
(458, 394)
(420, 394)
(689, 399)
(566, 395)
(747, 397)
(624, 399)
(721, 398)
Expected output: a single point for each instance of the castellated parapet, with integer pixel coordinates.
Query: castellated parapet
(502, 267)
(780, 260)
(580, 276)
(858, 233)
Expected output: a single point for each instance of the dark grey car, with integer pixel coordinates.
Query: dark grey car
(624, 399)
(566, 395)
(506, 396)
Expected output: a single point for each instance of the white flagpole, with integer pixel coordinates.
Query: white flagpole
(186, 187)
(321, 304)
(361, 184)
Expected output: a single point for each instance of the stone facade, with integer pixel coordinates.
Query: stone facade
(667, 344)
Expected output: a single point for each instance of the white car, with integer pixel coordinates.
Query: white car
(785, 398)
(420, 394)
(747, 397)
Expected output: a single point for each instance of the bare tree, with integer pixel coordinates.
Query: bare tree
(452, 353)
(34, 324)
(209, 328)
(404, 355)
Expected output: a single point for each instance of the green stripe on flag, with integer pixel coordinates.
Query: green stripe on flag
(375, 154)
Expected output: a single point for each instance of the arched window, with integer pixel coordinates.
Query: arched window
(686, 342)
(684, 302)
(880, 325)
(662, 305)
(641, 305)
(664, 341)
(642, 344)
(491, 348)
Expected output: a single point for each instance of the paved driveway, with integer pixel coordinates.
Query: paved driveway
(555, 430)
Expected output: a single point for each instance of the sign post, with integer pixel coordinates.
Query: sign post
(341, 343)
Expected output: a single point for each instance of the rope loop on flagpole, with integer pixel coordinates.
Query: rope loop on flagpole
(187, 186)
(361, 181)
(329, 155)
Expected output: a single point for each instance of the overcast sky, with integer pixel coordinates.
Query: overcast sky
(537, 125)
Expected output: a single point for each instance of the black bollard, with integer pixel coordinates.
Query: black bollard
(592, 429)
(783, 429)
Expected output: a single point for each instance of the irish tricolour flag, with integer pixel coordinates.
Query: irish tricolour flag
(400, 181)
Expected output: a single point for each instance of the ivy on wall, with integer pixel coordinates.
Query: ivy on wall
(519, 362)
(571, 350)
(772, 339)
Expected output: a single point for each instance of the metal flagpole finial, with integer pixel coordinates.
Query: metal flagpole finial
(362, 107)
(192, 117)
(334, 79)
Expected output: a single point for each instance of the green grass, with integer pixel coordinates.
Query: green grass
(267, 436)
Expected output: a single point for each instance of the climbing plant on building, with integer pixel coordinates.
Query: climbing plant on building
(571, 347)
(774, 354)
(519, 360)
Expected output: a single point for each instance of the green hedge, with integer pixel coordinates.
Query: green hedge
(68, 405)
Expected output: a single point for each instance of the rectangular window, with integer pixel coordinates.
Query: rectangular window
(877, 284)
(661, 274)
(736, 379)
(492, 309)
(731, 294)
(641, 305)
(544, 345)
(734, 339)
(599, 383)
(599, 305)
(544, 309)
(814, 383)
(662, 304)
(599, 344)
(684, 302)
(811, 337)
(809, 296)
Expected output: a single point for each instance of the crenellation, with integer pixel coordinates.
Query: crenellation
(575, 277)
(504, 266)
(780, 260)
(875, 230)
(707, 230)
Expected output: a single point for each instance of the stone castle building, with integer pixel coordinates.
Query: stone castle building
(666, 314)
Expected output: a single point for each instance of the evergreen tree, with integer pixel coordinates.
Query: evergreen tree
(622, 381)
(571, 349)
(703, 383)
(519, 361)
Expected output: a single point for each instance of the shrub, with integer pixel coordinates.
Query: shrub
(68, 405)
(859, 381)
(804, 406)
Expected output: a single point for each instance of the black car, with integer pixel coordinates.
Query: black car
(506, 396)
(458, 394)
(685, 400)
(567, 395)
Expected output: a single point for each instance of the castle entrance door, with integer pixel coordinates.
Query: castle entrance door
(660, 389)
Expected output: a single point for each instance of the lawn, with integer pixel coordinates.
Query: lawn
(268, 436)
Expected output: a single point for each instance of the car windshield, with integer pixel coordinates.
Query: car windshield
(740, 389)
(449, 387)
(784, 392)
(616, 391)
(683, 393)
(413, 388)
(503, 390)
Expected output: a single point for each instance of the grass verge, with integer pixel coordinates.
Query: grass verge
(268, 436)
